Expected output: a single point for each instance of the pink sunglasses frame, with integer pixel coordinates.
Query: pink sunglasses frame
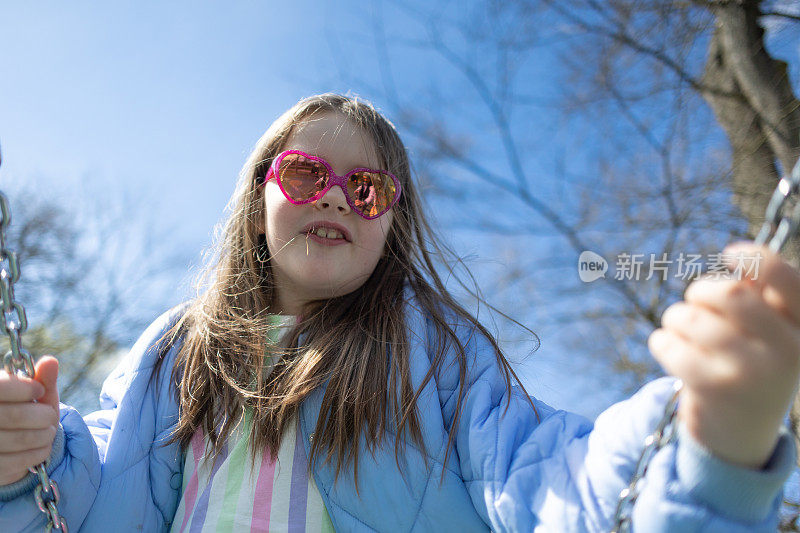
(333, 179)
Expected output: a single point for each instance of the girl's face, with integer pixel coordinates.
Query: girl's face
(306, 265)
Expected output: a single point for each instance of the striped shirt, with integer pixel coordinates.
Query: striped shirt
(235, 494)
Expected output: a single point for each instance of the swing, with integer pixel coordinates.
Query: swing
(19, 360)
(781, 223)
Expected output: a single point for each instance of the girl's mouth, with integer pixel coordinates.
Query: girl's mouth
(331, 238)
(326, 232)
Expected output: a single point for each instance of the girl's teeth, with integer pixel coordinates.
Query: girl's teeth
(328, 233)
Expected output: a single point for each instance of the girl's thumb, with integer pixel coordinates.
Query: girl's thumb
(47, 375)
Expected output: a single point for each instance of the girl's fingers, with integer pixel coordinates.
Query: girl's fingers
(680, 358)
(779, 281)
(47, 376)
(27, 416)
(19, 389)
(701, 325)
(20, 440)
(20, 461)
(741, 304)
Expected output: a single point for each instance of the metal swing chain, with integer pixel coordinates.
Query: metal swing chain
(20, 361)
(781, 222)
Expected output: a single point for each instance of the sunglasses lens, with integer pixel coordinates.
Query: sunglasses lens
(371, 192)
(301, 177)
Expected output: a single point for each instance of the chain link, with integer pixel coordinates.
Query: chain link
(663, 435)
(19, 361)
(782, 220)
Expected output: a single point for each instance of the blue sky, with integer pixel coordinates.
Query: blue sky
(160, 103)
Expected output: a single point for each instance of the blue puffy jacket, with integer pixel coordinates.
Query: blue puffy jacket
(509, 471)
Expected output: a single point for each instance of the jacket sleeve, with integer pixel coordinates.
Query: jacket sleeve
(89, 453)
(549, 470)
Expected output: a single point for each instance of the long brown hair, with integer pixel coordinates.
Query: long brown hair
(353, 345)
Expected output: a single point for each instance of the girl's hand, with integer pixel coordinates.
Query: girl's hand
(27, 429)
(736, 346)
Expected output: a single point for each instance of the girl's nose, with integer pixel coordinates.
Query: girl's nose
(333, 199)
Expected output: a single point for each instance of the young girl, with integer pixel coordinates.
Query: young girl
(325, 379)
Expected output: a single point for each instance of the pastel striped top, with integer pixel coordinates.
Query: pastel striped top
(230, 495)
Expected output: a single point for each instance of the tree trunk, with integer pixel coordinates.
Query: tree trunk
(753, 100)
